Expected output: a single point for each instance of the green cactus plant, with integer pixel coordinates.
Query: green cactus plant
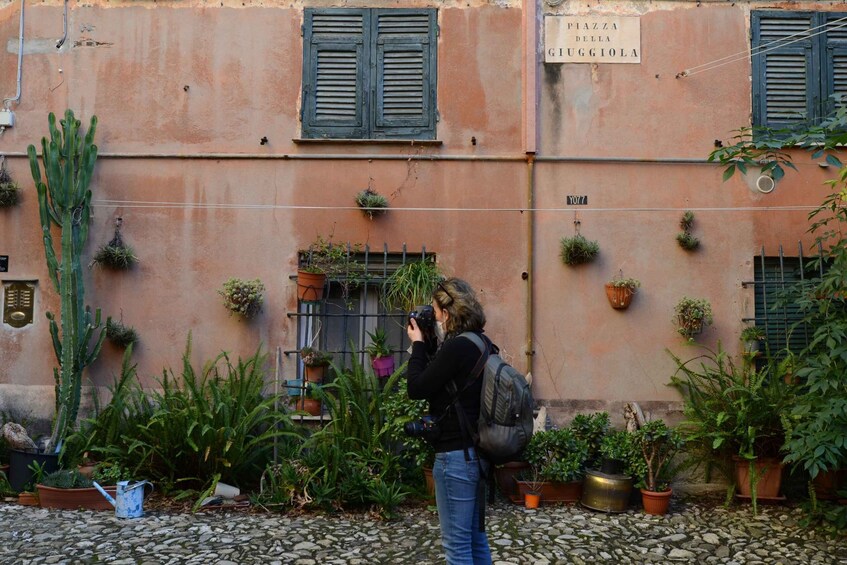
(65, 200)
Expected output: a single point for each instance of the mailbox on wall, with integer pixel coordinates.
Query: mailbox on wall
(18, 303)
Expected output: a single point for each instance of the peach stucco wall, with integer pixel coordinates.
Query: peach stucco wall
(184, 92)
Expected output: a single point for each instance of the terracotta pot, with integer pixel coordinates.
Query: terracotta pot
(75, 498)
(87, 470)
(532, 500)
(310, 405)
(383, 366)
(619, 296)
(552, 491)
(828, 483)
(656, 503)
(27, 499)
(505, 476)
(315, 374)
(429, 480)
(769, 470)
(310, 286)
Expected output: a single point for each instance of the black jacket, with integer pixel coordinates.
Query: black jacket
(428, 380)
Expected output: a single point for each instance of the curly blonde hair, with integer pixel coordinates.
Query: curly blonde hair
(459, 300)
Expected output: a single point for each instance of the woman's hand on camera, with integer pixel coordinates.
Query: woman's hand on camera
(413, 331)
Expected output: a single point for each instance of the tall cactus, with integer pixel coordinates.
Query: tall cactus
(65, 201)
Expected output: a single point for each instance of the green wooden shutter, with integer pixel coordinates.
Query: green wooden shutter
(835, 58)
(335, 81)
(405, 81)
(786, 84)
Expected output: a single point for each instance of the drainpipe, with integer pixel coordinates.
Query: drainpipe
(530, 131)
(7, 102)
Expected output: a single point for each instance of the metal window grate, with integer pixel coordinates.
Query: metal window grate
(781, 320)
(339, 324)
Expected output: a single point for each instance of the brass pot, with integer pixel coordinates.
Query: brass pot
(607, 493)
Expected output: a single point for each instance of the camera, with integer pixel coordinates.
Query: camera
(426, 428)
(425, 317)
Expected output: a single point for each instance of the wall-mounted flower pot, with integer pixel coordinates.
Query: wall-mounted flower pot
(310, 286)
(619, 297)
(383, 366)
(294, 387)
(314, 374)
(310, 405)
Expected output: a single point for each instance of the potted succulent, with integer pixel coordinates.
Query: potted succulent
(64, 203)
(658, 445)
(692, 315)
(243, 297)
(382, 360)
(315, 362)
(738, 416)
(685, 239)
(578, 250)
(372, 203)
(620, 291)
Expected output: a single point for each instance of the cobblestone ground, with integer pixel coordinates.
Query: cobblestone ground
(691, 533)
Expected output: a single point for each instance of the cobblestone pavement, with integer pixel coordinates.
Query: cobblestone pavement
(691, 533)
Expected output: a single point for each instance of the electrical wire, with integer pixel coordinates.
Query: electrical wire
(764, 48)
(211, 206)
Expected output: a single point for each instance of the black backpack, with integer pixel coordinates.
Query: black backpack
(505, 405)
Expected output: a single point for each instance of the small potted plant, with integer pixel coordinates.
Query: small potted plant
(372, 203)
(382, 360)
(578, 250)
(243, 297)
(411, 285)
(692, 315)
(751, 339)
(620, 291)
(70, 489)
(325, 261)
(529, 485)
(315, 362)
(658, 444)
(560, 457)
(684, 238)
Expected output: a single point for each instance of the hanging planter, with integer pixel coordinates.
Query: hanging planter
(9, 189)
(692, 315)
(620, 291)
(119, 334)
(372, 203)
(116, 254)
(310, 285)
(243, 297)
(578, 250)
(684, 238)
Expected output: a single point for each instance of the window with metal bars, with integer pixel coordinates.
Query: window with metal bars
(369, 73)
(775, 278)
(340, 323)
(799, 63)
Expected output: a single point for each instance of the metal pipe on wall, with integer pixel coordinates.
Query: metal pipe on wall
(8, 101)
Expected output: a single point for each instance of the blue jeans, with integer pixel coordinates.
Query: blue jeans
(456, 488)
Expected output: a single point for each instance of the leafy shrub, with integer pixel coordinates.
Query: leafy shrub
(557, 455)
(591, 429)
(577, 250)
